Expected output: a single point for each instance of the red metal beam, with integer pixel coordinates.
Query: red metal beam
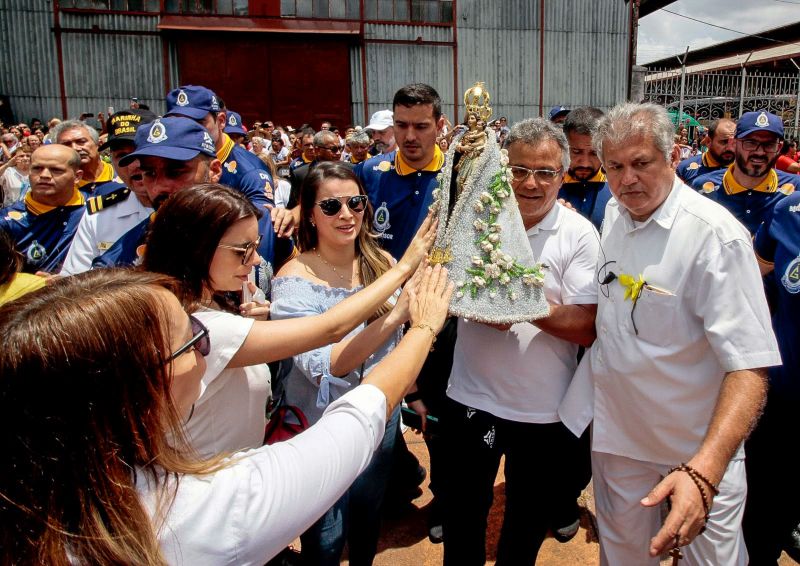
(456, 92)
(60, 57)
(365, 95)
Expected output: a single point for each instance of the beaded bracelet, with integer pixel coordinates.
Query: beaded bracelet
(698, 480)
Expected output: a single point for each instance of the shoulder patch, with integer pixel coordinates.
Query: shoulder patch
(231, 167)
(709, 187)
(15, 215)
(98, 203)
(694, 165)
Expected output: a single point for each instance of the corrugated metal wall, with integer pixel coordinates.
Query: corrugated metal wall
(100, 69)
(585, 56)
(28, 63)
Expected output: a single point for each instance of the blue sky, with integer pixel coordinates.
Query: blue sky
(662, 34)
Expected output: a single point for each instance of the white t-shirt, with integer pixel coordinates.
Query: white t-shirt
(522, 374)
(230, 414)
(14, 185)
(249, 511)
(283, 191)
(702, 313)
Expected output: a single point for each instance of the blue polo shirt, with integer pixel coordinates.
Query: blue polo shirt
(750, 206)
(587, 197)
(243, 171)
(43, 234)
(400, 196)
(778, 242)
(696, 166)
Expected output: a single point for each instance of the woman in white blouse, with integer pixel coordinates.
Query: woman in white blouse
(100, 370)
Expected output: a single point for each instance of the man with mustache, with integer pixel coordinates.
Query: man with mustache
(719, 155)
(584, 185)
(751, 186)
(84, 140)
(174, 154)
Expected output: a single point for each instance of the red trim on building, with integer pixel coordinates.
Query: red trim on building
(272, 25)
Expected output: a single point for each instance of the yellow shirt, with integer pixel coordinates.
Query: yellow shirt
(107, 174)
(19, 285)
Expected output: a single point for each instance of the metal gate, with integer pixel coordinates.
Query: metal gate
(726, 94)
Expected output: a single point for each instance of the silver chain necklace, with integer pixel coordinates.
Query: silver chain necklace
(339, 275)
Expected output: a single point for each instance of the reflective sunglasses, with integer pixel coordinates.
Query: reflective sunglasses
(332, 149)
(199, 340)
(520, 174)
(332, 206)
(245, 251)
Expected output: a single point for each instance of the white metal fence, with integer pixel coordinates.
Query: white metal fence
(726, 94)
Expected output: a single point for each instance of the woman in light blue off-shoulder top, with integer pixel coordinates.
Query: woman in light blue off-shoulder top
(339, 257)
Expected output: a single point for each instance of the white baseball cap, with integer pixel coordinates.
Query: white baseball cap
(381, 120)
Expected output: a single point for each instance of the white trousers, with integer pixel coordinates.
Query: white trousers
(626, 526)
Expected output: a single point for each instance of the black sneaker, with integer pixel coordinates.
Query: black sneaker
(568, 532)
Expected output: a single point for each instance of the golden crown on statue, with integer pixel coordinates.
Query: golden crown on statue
(476, 101)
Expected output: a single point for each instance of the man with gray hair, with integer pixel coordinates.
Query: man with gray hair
(508, 381)
(683, 335)
(84, 139)
(357, 145)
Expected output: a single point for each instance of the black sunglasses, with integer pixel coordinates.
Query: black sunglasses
(199, 340)
(247, 250)
(333, 205)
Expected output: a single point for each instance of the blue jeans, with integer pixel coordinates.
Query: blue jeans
(355, 517)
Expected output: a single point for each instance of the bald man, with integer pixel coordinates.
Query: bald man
(44, 223)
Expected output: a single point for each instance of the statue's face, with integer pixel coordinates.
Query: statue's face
(472, 120)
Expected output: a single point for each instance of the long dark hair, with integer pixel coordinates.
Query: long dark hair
(184, 235)
(10, 258)
(85, 405)
(372, 263)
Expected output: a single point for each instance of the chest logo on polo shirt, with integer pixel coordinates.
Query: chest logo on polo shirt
(15, 215)
(786, 188)
(183, 99)
(709, 187)
(36, 252)
(694, 165)
(384, 166)
(791, 277)
(381, 218)
(158, 133)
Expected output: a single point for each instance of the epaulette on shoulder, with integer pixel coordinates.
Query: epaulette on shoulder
(98, 203)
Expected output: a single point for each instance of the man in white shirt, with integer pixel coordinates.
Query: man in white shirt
(683, 336)
(507, 382)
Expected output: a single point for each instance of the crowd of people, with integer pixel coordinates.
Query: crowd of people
(208, 331)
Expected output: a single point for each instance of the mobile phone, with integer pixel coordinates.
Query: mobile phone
(412, 419)
(247, 296)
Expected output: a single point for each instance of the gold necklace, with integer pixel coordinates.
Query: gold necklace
(339, 275)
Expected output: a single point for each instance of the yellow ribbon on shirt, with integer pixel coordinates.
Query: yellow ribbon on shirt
(633, 286)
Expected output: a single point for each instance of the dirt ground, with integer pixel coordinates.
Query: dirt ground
(404, 541)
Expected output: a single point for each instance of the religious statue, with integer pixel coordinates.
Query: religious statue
(481, 238)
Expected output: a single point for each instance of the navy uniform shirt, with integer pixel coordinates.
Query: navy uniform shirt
(400, 196)
(696, 166)
(243, 171)
(750, 206)
(43, 234)
(297, 162)
(587, 197)
(778, 242)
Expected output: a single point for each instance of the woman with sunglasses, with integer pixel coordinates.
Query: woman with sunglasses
(100, 370)
(339, 256)
(206, 237)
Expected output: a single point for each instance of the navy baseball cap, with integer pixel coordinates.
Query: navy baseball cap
(233, 124)
(556, 110)
(171, 138)
(192, 101)
(758, 121)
